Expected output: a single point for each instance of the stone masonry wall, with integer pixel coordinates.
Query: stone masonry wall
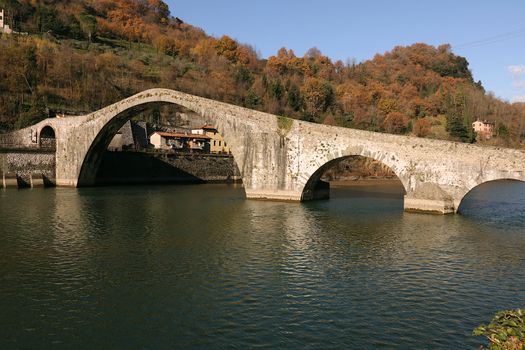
(25, 163)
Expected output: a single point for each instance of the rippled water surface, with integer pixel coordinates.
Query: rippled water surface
(199, 267)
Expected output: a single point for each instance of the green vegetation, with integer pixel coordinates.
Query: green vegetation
(83, 55)
(506, 331)
(284, 124)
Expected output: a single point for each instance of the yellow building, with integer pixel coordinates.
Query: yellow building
(217, 143)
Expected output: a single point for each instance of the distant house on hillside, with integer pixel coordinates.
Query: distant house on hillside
(4, 28)
(484, 129)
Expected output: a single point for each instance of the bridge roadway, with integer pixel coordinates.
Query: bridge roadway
(283, 159)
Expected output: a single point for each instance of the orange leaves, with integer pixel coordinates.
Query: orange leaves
(318, 95)
(395, 123)
(287, 63)
(422, 127)
(234, 52)
(204, 50)
(227, 47)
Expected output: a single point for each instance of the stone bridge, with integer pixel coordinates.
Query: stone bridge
(283, 159)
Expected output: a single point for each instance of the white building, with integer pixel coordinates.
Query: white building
(483, 128)
(4, 28)
(180, 141)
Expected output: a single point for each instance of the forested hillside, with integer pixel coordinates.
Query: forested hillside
(78, 56)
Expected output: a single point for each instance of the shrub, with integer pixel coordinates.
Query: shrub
(506, 331)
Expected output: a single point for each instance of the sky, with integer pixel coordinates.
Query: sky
(489, 33)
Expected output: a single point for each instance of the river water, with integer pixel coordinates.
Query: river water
(200, 267)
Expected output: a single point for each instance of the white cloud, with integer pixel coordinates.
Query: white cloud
(518, 99)
(518, 77)
(517, 70)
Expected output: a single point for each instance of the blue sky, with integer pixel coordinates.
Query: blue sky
(489, 33)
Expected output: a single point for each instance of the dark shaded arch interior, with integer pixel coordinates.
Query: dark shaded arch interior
(47, 132)
(316, 188)
(94, 155)
(476, 194)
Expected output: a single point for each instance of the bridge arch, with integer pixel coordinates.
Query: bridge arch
(473, 189)
(114, 121)
(47, 137)
(315, 188)
(251, 136)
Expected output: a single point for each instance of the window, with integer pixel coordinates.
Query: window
(220, 143)
(214, 142)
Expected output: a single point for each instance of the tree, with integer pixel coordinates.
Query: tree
(227, 47)
(421, 127)
(395, 123)
(457, 129)
(294, 97)
(503, 132)
(88, 24)
(318, 95)
(36, 113)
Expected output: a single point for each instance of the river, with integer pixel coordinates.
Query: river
(200, 267)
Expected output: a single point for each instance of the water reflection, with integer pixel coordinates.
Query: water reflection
(200, 266)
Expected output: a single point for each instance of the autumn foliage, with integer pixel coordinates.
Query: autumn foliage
(80, 56)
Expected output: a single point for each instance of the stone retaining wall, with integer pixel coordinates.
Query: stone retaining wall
(140, 167)
(25, 164)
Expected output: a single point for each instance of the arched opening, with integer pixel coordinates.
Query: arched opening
(495, 201)
(355, 177)
(158, 143)
(47, 137)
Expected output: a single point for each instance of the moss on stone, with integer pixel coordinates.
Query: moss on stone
(284, 124)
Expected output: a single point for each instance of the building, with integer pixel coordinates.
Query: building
(484, 129)
(180, 141)
(217, 143)
(4, 28)
(132, 135)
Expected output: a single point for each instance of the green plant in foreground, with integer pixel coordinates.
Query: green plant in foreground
(506, 331)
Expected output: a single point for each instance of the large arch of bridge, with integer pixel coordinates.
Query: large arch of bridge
(114, 120)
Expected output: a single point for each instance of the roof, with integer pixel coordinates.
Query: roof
(208, 127)
(176, 134)
(485, 122)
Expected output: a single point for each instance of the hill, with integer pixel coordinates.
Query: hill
(81, 55)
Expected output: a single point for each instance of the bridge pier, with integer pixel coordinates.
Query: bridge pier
(273, 195)
(428, 206)
(429, 197)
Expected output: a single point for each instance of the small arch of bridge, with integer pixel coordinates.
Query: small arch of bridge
(477, 186)
(47, 137)
(314, 188)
